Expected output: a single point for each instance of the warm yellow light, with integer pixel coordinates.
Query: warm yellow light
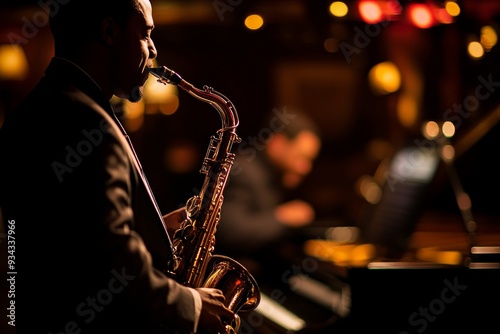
(362, 254)
(430, 130)
(385, 78)
(407, 110)
(13, 63)
(448, 152)
(134, 115)
(133, 112)
(373, 193)
(369, 189)
(160, 98)
(170, 106)
(489, 37)
(448, 129)
(452, 8)
(339, 9)
(340, 253)
(436, 255)
(254, 22)
(155, 92)
(475, 50)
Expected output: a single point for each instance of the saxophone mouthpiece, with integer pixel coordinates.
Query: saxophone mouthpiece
(165, 75)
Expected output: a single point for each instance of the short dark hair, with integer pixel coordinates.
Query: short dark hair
(78, 19)
(299, 121)
(302, 122)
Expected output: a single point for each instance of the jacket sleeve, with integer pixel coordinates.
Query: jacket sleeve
(167, 301)
(110, 195)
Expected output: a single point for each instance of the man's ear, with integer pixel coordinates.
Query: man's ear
(108, 31)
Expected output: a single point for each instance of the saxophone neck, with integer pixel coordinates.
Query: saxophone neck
(226, 109)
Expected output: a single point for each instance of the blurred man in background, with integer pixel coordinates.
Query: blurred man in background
(257, 216)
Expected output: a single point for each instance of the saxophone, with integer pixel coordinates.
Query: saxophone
(193, 263)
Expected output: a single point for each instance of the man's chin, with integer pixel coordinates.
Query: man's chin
(135, 98)
(135, 95)
(291, 180)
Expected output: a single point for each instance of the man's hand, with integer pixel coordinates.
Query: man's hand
(295, 213)
(214, 314)
(173, 220)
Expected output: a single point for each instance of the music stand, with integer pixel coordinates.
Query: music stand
(390, 222)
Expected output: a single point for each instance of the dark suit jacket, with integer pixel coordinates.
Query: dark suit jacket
(90, 244)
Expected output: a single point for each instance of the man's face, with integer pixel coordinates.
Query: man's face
(134, 54)
(297, 157)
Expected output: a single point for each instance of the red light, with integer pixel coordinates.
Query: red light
(375, 11)
(370, 11)
(420, 15)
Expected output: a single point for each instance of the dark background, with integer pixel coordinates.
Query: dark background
(285, 65)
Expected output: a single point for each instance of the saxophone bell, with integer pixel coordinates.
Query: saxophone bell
(238, 286)
(236, 283)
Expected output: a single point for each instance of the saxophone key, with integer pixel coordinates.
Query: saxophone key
(193, 205)
(188, 232)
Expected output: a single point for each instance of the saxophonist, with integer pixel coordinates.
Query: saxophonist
(91, 243)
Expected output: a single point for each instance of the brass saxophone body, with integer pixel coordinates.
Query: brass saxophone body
(193, 263)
